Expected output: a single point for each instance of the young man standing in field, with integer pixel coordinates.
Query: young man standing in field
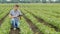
(15, 14)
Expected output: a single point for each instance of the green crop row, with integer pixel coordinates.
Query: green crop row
(44, 29)
(5, 26)
(25, 29)
(4, 12)
(48, 18)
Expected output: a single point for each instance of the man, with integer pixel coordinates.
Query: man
(14, 15)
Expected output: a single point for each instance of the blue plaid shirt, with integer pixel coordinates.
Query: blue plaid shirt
(15, 13)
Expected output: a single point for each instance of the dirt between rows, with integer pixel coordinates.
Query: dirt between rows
(12, 31)
(32, 26)
(44, 22)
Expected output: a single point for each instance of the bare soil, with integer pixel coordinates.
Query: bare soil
(12, 31)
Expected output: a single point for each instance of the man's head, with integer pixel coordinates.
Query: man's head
(16, 7)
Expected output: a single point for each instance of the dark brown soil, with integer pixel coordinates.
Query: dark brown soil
(45, 23)
(12, 31)
(32, 26)
(1, 22)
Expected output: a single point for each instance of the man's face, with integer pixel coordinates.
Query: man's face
(16, 8)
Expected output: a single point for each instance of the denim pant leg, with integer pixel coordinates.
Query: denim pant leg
(16, 23)
(13, 23)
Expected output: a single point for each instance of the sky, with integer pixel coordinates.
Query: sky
(8, 0)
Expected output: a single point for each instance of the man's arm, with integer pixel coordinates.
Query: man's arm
(11, 16)
(20, 14)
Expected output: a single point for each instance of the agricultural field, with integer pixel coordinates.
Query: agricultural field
(36, 19)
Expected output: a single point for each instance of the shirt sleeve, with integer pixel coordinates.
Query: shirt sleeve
(20, 13)
(10, 12)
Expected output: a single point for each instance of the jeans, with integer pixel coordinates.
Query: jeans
(15, 23)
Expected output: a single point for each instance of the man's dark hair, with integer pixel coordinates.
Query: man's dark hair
(16, 5)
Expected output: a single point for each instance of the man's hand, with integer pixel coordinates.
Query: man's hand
(20, 16)
(12, 16)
